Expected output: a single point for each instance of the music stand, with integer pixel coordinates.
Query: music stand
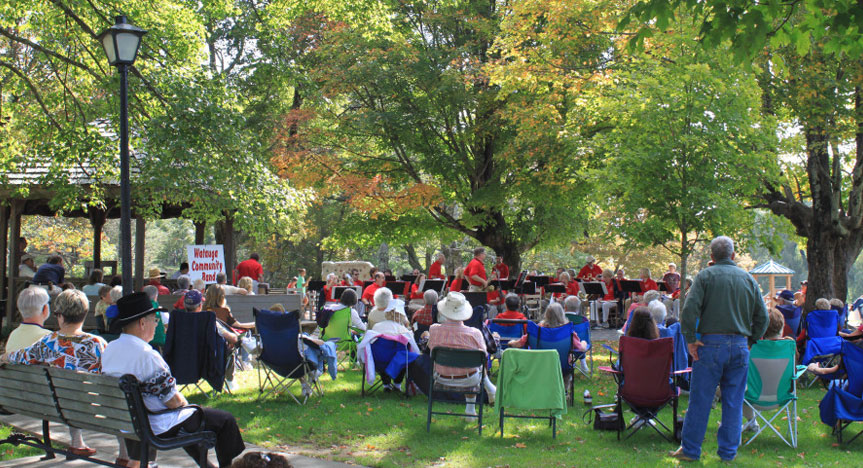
(505, 285)
(527, 288)
(409, 278)
(541, 280)
(397, 287)
(662, 286)
(520, 279)
(556, 288)
(389, 278)
(367, 284)
(436, 285)
(476, 298)
(631, 286)
(316, 285)
(593, 288)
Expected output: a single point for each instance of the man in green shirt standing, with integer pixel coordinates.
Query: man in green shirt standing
(724, 306)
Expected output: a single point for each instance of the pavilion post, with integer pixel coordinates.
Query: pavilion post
(230, 248)
(4, 244)
(17, 207)
(97, 220)
(199, 232)
(140, 235)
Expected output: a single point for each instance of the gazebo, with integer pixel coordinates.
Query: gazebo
(773, 271)
(37, 201)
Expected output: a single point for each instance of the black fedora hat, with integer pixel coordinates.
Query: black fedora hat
(131, 308)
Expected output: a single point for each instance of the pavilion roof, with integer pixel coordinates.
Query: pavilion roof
(771, 268)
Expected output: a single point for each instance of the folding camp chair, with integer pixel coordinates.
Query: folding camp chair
(193, 344)
(391, 359)
(823, 343)
(346, 336)
(646, 384)
(507, 330)
(560, 339)
(792, 317)
(531, 380)
(843, 403)
(281, 364)
(771, 385)
(467, 359)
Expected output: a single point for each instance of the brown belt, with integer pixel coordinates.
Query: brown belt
(458, 376)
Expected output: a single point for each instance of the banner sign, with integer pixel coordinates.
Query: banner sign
(206, 261)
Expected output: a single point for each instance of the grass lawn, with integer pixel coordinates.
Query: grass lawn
(9, 452)
(387, 430)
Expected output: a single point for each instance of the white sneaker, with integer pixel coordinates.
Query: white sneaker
(582, 363)
(232, 386)
(307, 390)
(491, 396)
(751, 426)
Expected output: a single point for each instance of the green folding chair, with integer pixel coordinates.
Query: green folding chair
(340, 328)
(531, 380)
(771, 386)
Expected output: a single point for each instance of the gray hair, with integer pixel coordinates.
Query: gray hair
(199, 284)
(221, 278)
(658, 312)
(650, 296)
(32, 301)
(572, 304)
(822, 304)
(429, 297)
(73, 305)
(721, 248)
(184, 282)
(151, 291)
(554, 316)
(116, 293)
(383, 296)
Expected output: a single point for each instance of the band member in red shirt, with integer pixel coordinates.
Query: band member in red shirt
(435, 269)
(591, 271)
(251, 268)
(368, 297)
(475, 271)
(501, 269)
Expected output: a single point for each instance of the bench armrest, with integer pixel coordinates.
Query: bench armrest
(609, 370)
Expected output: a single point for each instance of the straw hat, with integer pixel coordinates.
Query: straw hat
(155, 273)
(455, 307)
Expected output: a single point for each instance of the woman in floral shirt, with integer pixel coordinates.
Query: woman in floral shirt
(68, 348)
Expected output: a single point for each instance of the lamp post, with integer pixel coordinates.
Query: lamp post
(121, 42)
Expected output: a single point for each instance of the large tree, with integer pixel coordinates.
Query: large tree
(411, 119)
(809, 53)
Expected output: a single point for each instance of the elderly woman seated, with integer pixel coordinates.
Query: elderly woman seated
(453, 310)
(385, 303)
(68, 348)
(553, 318)
(385, 319)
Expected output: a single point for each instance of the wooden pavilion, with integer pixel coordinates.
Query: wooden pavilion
(778, 276)
(38, 201)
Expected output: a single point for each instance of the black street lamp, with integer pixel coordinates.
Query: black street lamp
(121, 42)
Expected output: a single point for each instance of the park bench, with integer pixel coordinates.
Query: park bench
(94, 402)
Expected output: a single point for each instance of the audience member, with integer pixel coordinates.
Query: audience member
(51, 274)
(215, 302)
(183, 271)
(27, 268)
(642, 325)
(247, 284)
(68, 348)
(130, 354)
(435, 269)
(222, 280)
(34, 310)
(512, 304)
(94, 283)
(252, 268)
(155, 279)
(475, 271)
(384, 303)
(105, 301)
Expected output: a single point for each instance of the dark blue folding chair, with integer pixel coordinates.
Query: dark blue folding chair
(391, 360)
(843, 403)
(792, 317)
(681, 354)
(559, 339)
(190, 362)
(281, 364)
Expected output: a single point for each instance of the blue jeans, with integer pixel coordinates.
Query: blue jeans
(723, 361)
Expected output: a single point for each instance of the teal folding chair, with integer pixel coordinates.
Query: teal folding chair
(771, 386)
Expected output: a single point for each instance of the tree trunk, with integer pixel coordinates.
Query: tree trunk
(413, 259)
(383, 257)
(508, 248)
(820, 260)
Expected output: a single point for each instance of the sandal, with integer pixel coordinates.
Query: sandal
(75, 452)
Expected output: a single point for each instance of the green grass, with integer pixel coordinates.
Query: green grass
(8, 452)
(387, 430)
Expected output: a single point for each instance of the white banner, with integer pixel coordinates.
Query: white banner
(206, 261)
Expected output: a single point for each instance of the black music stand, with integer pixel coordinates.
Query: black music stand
(520, 279)
(663, 287)
(315, 286)
(631, 286)
(367, 284)
(541, 281)
(527, 288)
(339, 290)
(594, 288)
(390, 278)
(409, 278)
(504, 285)
(436, 285)
(476, 298)
(397, 287)
(556, 288)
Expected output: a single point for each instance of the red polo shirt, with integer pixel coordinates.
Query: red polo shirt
(435, 270)
(369, 293)
(588, 271)
(250, 268)
(474, 267)
(502, 270)
(649, 285)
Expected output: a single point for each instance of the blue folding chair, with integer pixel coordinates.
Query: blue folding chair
(391, 359)
(507, 329)
(792, 317)
(681, 354)
(281, 364)
(843, 403)
(822, 323)
(189, 362)
(559, 339)
(823, 343)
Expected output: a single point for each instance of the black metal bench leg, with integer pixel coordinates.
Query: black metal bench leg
(145, 455)
(46, 439)
(202, 449)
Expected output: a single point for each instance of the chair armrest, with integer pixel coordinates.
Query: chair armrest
(798, 372)
(197, 408)
(358, 331)
(613, 351)
(609, 370)
(684, 371)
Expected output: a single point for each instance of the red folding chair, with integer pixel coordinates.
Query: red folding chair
(646, 385)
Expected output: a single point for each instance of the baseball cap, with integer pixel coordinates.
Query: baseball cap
(192, 298)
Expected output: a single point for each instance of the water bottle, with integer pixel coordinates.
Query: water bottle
(588, 400)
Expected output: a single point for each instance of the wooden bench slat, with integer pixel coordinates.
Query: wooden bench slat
(23, 373)
(87, 407)
(22, 394)
(105, 430)
(35, 410)
(78, 376)
(31, 388)
(75, 417)
(101, 389)
(102, 399)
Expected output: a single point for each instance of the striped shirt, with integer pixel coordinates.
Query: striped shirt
(455, 335)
